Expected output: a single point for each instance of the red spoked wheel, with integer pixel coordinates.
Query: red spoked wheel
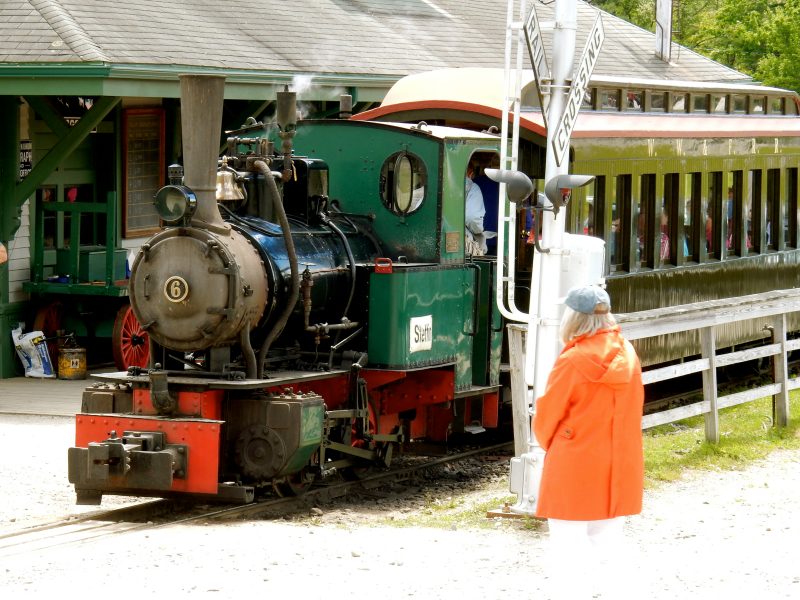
(130, 343)
(50, 321)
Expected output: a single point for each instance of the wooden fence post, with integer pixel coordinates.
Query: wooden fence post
(780, 401)
(519, 390)
(709, 352)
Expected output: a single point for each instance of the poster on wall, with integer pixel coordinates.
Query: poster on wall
(143, 162)
(25, 158)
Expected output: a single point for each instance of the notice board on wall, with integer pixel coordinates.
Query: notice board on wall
(143, 169)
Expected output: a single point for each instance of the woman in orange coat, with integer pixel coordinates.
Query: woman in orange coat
(589, 423)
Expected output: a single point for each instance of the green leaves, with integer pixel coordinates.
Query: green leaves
(759, 37)
(780, 63)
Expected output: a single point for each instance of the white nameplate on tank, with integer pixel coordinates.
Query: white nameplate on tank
(421, 335)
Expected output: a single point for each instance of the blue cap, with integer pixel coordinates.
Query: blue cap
(586, 299)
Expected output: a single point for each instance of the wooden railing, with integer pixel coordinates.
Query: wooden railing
(705, 316)
(702, 316)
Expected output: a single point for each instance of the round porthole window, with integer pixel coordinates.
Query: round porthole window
(403, 182)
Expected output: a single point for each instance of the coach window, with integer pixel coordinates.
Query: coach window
(597, 215)
(402, 183)
(757, 105)
(719, 103)
(753, 212)
(667, 226)
(582, 213)
(699, 102)
(692, 207)
(790, 222)
(608, 99)
(657, 101)
(634, 100)
(620, 237)
(733, 210)
(773, 231)
(776, 105)
(712, 213)
(646, 232)
(678, 102)
(588, 99)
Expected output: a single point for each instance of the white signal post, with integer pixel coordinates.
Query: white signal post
(542, 343)
(565, 102)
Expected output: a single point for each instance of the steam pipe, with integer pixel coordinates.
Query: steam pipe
(248, 352)
(286, 113)
(294, 292)
(327, 221)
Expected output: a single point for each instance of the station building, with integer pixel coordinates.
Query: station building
(90, 111)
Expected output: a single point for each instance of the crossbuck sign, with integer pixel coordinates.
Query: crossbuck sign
(533, 35)
(575, 98)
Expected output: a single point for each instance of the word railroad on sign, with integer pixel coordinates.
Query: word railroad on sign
(541, 70)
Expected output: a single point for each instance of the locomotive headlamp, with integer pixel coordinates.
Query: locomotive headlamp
(175, 204)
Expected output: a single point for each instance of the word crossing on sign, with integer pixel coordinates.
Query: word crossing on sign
(579, 83)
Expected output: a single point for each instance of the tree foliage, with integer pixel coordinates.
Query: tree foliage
(780, 63)
(638, 12)
(758, 37)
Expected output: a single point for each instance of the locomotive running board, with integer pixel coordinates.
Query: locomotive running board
(226, 494)
(476, 390)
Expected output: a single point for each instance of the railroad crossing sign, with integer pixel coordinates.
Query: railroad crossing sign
(541, 70)
(579, 83)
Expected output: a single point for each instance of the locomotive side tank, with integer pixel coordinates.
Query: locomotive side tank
(310, 309)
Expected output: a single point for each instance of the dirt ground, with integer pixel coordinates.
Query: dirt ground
(709, 535)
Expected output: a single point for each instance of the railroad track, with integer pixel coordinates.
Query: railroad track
(368, 484)
(76, 529)
(162, 513)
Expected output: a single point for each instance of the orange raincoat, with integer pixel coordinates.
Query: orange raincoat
(589, 421)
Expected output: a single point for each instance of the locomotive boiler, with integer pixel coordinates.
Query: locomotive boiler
(309, 305)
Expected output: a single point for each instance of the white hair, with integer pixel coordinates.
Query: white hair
(575, 324)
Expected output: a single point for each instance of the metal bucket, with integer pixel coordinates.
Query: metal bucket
(72, 363)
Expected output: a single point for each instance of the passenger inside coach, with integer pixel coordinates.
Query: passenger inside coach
(474, 211)
(489, 189)
(477, 236)
(664, 227)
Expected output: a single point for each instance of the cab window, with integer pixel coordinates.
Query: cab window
(402, 183)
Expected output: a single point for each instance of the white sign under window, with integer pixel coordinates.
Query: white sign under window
(421, 333)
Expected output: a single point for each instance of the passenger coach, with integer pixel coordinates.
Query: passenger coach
(695, 190)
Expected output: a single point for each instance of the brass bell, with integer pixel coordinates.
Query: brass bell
(228, 190)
